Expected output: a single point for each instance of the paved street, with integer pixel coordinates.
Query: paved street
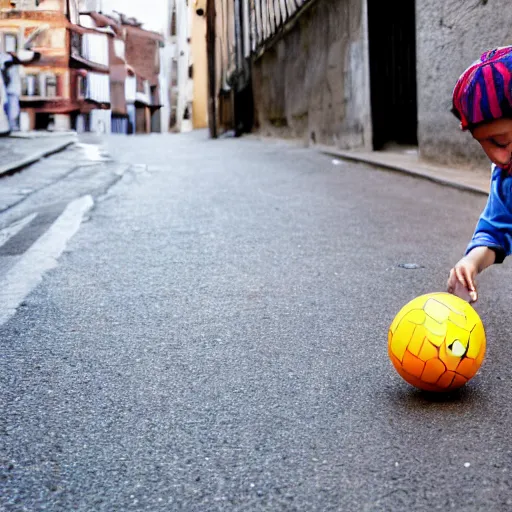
(21, 149)
(213, 336)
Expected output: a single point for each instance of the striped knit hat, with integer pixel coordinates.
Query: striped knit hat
(484, 91)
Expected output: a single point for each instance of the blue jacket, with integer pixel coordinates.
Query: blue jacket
(494, 228)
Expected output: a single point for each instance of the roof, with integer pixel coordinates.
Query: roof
(144, 33)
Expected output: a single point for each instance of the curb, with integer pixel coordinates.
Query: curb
(429, 173)
(36, 156)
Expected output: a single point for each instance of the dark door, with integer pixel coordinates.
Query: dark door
(140, 120)
(392, 33)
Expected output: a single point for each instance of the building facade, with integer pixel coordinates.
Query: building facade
(95, 72)
(186, 68)
(198, 69)
(45, 85)
(142, 54)
(90, 63)
(360, 73)
(231, 46)
(450, 36)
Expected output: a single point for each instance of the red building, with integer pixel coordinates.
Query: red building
(96, 73)
(143, 57)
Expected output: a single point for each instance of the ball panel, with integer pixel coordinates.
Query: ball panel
(459, 319)
(458, 381)
(457, 333)
(438, 330)
(477, 341)
(473, 319)
(436, 310)
(467, 367)
(396, 362)
(416, 316)
(415, 304)
(418, 383)
(428, 351)
(417, 339)
(411, 364)
(401, 338)
(446, 379)
(435, 340)
(480, 358)
(434, 368)
(461, 312)
(451, 301)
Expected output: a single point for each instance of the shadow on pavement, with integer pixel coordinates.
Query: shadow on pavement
(416, 398)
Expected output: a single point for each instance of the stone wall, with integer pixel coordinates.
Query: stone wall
(450, 36)
(313, 83)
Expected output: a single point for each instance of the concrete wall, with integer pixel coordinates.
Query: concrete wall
(450, 36)
(314, 82)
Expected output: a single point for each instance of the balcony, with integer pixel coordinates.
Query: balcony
(89, 50)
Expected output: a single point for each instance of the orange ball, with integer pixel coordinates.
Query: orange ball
(437, 342)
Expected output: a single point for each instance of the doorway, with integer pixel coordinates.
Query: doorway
(392, 44)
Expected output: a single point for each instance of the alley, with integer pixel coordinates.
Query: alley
(214, 337)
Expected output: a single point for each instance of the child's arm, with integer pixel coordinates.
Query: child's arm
(491, 242)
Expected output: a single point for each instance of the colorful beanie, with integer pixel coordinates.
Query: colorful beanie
(484, 91)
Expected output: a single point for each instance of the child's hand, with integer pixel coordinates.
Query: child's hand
(462, 277)
(462, 280)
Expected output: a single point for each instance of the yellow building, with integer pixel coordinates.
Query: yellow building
(199, 68)
(186, 61)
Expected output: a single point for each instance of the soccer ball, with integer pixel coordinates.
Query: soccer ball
(437, 342)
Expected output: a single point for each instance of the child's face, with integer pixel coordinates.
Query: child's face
(495, 137)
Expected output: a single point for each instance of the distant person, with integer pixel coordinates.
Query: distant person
(482, 100)
(5, 127)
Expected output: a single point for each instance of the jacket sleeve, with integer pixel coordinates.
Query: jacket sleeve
(494, 227)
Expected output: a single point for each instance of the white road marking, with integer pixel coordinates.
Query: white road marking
(15, 228)
(42, 256)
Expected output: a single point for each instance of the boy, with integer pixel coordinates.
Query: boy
(482, 100)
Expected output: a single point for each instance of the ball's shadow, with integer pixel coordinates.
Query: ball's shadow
(457, 395)
(412, 397)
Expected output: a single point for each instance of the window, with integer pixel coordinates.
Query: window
(130, 89)
(30, 85)
(95, 48)
(10, 43)
(173, 22)
(76, 44)
(174, 73)
(44, 85)
(51, 86)
(80, 87)
(172, 120)
(119, 48)
(157, 57)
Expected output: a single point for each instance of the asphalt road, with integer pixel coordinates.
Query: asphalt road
(214, 337)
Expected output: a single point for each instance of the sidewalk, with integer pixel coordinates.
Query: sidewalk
(408, 161)
(19, 150)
